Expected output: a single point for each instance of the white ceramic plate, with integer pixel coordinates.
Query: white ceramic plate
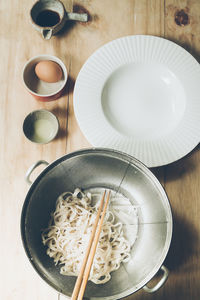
(140, 95)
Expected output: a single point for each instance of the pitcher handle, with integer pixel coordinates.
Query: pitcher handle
(77, 17)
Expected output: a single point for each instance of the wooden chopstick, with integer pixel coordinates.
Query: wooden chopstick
(80, 277)
(92, 253)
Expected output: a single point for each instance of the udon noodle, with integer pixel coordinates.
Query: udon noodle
(69, 232)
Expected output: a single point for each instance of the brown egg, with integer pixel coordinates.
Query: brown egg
(48, 71)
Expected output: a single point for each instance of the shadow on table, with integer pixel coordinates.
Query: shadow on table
(63, 113)
(187, 46)
(184, 241)
(66, 28)
(177, 169)
(173, 291)
(178, 261)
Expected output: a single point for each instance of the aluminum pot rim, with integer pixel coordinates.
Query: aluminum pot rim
(130, 160)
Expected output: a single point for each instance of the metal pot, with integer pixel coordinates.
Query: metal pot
(101, 168)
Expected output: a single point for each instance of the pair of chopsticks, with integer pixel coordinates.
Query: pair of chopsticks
(82, 279)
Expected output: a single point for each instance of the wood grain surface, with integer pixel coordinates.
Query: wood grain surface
(175, 20)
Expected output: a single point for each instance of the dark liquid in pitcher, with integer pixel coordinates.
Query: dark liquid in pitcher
(47, 18)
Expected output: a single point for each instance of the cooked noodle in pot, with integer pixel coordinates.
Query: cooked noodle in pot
(69, 232)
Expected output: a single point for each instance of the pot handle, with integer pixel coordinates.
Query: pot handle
(160, 283)
(32, 168)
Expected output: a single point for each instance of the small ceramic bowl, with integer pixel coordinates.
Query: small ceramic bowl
(41, 126)
(41, 90)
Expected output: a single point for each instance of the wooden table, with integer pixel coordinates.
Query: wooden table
(109, 19)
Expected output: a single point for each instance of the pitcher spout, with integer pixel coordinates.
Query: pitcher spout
(47, 33)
